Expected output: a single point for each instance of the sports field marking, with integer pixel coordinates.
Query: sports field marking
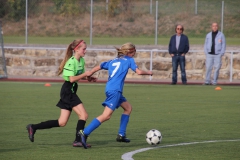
(128, 155)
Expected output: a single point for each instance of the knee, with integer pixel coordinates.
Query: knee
(84, 116)
(174, 69)
(128, 109)
(62, 123)
(107, 117)
(217, 67)
(104, 118)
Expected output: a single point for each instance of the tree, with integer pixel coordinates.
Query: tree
(3, 9)
(70, 7)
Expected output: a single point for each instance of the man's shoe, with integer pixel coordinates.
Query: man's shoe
(83, 138)
(79, 144)
(184, 83)
(121, 138)
(173, 83)
(31, 132)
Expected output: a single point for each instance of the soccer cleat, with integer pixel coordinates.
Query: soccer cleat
(121, 138)
(79, 144)
(83, 139)
(31, 132)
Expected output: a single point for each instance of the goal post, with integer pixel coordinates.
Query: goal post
(3, 68)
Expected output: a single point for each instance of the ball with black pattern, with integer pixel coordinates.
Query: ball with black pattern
(154, 137)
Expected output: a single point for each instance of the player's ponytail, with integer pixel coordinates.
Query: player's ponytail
(125, 49)
(69, 53)
(120, 52)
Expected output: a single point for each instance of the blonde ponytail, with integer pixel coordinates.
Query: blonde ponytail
(125, 49)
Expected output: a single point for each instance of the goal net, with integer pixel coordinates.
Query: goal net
(3, 69)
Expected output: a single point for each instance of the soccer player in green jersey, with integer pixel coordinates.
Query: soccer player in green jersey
(72, 68)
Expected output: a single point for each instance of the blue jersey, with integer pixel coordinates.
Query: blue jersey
(117, 71)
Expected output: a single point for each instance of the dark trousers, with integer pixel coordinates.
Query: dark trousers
(177, 59)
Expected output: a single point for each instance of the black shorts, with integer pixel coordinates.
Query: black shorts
(69, 98)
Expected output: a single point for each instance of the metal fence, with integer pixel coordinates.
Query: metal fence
(3, 69)
(116, 18)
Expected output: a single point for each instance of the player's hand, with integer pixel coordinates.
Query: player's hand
(172, 55)
(183, 54)
(91, 79)
(88, 73)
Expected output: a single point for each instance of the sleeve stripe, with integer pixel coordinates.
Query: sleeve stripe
(68, 69)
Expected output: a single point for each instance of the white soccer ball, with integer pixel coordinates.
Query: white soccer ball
(154, 137)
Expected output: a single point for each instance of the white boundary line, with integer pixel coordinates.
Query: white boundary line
(128, 155)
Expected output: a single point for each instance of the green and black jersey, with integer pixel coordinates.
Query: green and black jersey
(73, 67)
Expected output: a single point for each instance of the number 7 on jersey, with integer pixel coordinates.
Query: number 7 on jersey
(117, 64)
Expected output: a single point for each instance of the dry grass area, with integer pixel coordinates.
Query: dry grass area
(134, 23)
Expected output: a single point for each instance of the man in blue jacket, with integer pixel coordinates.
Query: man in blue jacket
(214, 49)
(178, 47)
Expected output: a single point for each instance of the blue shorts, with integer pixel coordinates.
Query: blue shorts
(114, 99)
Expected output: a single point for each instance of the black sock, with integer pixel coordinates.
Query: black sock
(80, 126)
(46, 125)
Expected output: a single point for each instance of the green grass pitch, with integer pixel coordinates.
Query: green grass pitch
(181, 113)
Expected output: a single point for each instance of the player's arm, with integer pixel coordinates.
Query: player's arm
(78, 77)
(135, 68)
(90, 78)
(95, 69)
(141, 72)
(103, 65)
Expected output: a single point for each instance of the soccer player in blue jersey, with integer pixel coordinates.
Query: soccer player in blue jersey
(117, 70)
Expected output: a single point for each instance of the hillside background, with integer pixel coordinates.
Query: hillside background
(123, 18)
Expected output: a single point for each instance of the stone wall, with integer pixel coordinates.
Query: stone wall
(45, 62)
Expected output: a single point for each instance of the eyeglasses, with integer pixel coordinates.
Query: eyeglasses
(180, 29)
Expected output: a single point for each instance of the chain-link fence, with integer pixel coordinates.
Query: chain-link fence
(115, 18)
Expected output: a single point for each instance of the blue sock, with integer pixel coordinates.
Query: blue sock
(92, 126)
(123, 124)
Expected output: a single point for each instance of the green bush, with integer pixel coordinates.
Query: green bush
(16, 9)
(3, 7)
(70, 7)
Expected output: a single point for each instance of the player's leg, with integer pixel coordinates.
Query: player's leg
(217, 66)
(61, 122)
(127, 109)
(121, 137)
(110, 104)
(95, 123)
(82, 117)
